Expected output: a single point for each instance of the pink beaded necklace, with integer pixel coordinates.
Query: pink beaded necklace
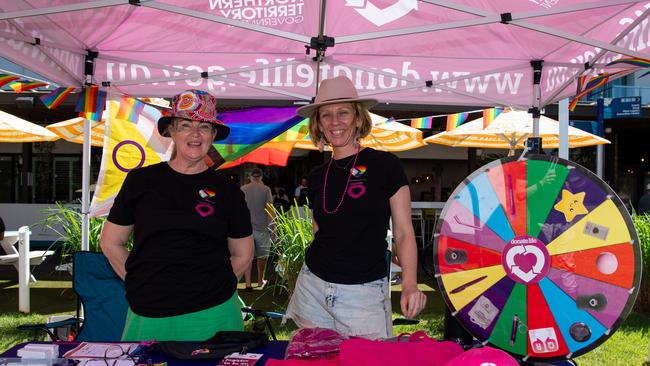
(327, 172)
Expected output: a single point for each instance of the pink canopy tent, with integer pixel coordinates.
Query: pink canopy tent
(453, 52)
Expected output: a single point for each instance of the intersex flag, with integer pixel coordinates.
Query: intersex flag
(127, 146)
(455, 120)
(422, 122)
(53, 99)
(130, 145)
(24, 85)
(490, 115)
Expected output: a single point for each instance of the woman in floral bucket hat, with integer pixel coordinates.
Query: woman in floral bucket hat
(192, 231)
(343, 284)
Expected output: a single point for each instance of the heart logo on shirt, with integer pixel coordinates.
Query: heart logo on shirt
(356, 190)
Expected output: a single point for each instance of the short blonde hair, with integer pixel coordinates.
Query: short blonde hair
(360, 112)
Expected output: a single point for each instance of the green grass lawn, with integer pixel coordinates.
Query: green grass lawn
(627, 347)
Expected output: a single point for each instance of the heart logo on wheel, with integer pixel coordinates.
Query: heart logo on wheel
(356, 190)
(525, 259)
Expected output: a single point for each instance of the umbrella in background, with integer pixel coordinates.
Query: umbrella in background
(14, 129)
(386, 135)
(73, 130)
(509, 130)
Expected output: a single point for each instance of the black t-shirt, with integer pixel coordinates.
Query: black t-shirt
(302, 197)
(350, 245)
(180, 262)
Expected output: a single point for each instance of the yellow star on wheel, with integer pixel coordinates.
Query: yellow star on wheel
(571, 205)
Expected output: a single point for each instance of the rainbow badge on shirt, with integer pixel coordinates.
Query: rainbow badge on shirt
(358, 171)
(206, 193)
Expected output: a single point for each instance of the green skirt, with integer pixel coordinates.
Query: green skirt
(196, 326)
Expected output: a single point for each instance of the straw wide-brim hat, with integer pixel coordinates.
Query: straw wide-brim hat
(335, 90)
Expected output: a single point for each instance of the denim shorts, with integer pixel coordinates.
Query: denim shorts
(362, 310)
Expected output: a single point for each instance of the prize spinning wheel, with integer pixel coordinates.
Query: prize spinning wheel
(537, 257)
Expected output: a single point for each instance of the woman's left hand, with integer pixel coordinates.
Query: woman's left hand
(412, 301)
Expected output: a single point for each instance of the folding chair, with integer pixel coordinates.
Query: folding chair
(102, 294)
(11, 257)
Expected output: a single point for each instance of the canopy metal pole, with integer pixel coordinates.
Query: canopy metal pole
(85, 187)
(537, 94)
(23, 269)
(563, 116)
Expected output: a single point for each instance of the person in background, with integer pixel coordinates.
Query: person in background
(281, 201)
(644, 202)
(343, 284)
(258, 198)
(302, 192)
(2, 229)
(192, 234)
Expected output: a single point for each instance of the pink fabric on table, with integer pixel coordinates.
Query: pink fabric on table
(483, 356)
(428, 352)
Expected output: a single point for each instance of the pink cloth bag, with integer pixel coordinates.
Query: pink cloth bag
(483, 356)
(419, 350)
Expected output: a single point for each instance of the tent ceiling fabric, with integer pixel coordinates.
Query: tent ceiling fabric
(453, 52)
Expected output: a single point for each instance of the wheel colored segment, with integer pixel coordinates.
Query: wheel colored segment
(463, 287)
(603, 301)
(575, 183)
(509, 183)
(510, 331)
(545, 180)
(459, 223)
(579, 329)
(480, 199)
(457, 256)
(619, 272)
(481, 314)
(544, 336)
(601, 227)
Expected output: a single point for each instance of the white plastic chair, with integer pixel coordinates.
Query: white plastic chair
(36, 257)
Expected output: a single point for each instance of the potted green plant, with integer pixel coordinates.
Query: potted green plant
(292, 234)
(65, 221)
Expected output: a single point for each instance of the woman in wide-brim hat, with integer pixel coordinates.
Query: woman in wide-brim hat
(192, 234)
(343, 284)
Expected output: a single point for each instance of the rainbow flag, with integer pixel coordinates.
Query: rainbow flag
(490, 115)
(24, 85)
(130, 109)
(422, 122)
(129, 145)
(53, 99)
(584, 87)
(634, 61)
(250, 129)
(91, 103)
(6, 79)
(455, 120)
